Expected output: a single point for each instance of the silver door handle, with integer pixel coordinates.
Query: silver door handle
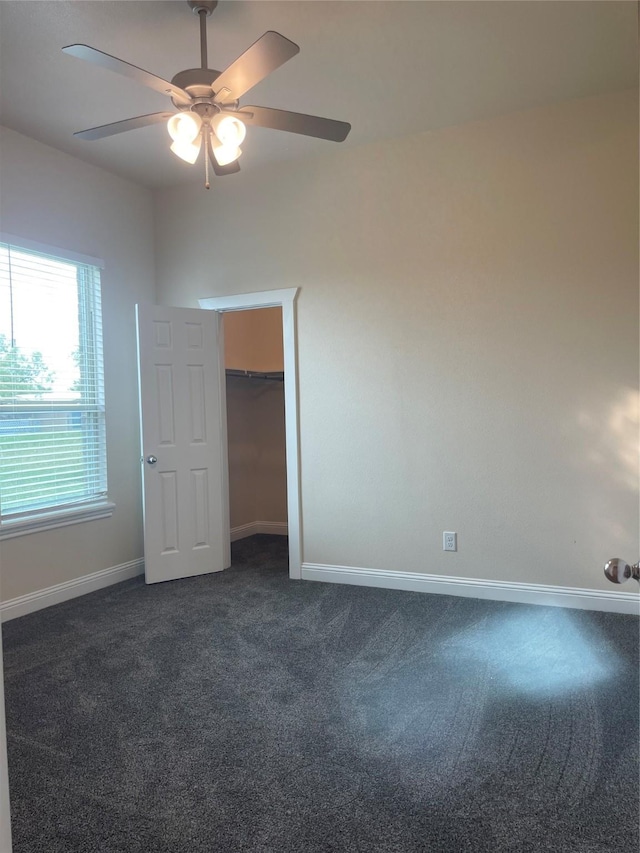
(151, 460)
(617, 571)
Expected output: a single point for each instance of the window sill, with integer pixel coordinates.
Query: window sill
(56, 518)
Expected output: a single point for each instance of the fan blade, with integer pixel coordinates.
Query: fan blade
(112, 63)
(265, 55)
(322, 128)
(221, 171)
(120, 126)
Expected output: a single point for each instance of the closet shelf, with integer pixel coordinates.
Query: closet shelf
(272, 375)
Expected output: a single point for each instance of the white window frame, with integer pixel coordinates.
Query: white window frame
(59, 516)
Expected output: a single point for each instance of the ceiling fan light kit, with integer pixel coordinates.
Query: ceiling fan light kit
(208, 101)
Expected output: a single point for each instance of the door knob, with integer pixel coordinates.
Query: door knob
(617, 571)
(151, 460)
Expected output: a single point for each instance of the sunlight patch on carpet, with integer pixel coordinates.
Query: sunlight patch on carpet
(535, 653)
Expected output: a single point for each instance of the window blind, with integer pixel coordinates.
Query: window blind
(52, 414)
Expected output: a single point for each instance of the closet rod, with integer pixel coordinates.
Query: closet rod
(273, 375)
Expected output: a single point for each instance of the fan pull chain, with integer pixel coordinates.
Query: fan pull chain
(205, 131)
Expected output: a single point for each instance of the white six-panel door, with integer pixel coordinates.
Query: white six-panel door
(184, 449)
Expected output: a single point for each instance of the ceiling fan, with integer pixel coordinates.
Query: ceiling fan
(207, 101)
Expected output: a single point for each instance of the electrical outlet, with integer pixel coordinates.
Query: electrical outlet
(449, 541)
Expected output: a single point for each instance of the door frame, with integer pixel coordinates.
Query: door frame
(285, 299)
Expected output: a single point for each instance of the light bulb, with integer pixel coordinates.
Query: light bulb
(187, 151)
(225, 154)
(184, 127)
(229, 130)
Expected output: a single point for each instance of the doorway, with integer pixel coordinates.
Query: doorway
(254, 366)
(266, 390)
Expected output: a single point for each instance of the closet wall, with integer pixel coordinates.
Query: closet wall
(255, 419)
(253, 340)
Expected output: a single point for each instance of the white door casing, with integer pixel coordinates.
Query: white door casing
(183, 426)
(286, 299)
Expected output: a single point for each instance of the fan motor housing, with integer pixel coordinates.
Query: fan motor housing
(196, 81)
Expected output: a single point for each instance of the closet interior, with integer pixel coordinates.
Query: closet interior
(254, 366)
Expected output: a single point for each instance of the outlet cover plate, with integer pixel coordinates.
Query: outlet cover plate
(449, 541)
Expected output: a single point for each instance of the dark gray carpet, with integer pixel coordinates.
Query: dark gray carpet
(244, 712)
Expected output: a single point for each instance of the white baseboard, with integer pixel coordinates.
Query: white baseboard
(523, 593)
(279, 528)
(33, 601)
(41, 598)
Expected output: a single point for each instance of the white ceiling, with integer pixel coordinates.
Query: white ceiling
(389, 68)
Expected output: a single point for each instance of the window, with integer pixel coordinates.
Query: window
(52, 416)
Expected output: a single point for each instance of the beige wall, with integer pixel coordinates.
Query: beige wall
(243, 452)
(253, 340)
(468, 336)
(271, 470)
(257, 465)
(58, 200)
